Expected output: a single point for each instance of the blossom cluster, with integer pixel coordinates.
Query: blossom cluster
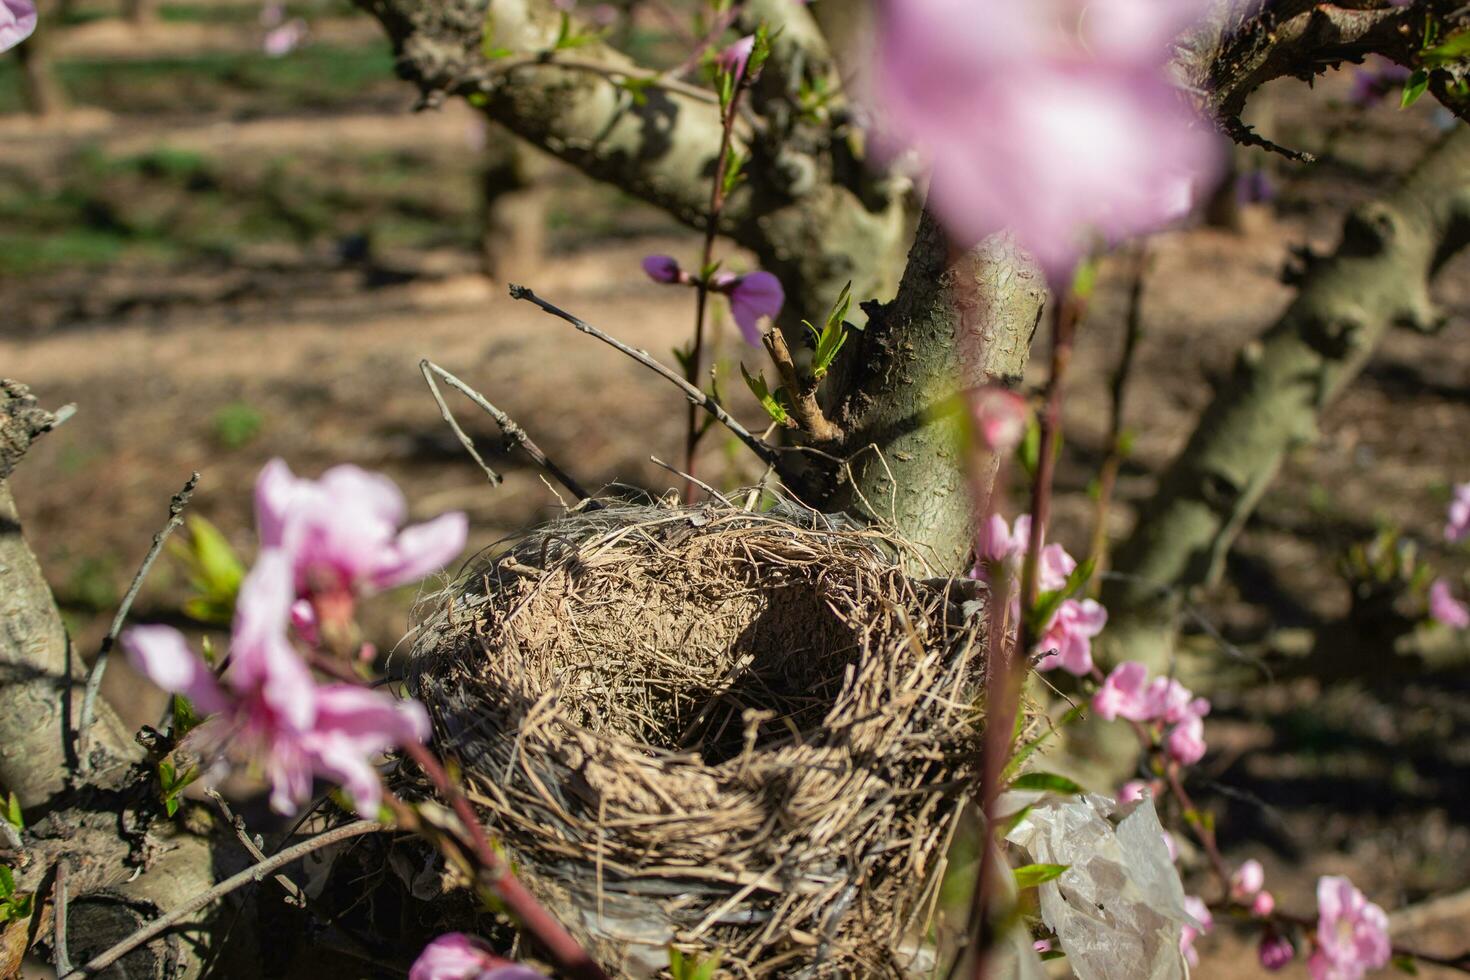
(323, 544)
(1128, 693)
(1055, 119)
(1000, 550)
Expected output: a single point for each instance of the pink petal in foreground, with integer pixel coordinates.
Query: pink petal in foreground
(161, 654)
(17, 22)
(421, 550)
(453, 956)
(1445, 608)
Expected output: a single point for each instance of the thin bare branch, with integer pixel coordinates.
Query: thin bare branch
(295, 895)
(254, 873)
(63, 959)
(765, 451)
(99, 666)
(513, 432)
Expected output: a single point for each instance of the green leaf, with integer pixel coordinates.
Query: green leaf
(734, 162)
(7, 882)
(760, 51)
(1028, 450)
(1052, 954)
(1031, 875)
(828, 341)
(1405, 964)
(186, 718)
(214, 571)
(1025, 751)
(769, 401)
(1013, 821)
(1047, 782)
(13, 816)
(638, 88)
(1416, 85)
(685, 357)
(1453, 48)
(1084, 279)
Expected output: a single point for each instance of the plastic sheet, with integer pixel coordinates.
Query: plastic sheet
(1118, 909)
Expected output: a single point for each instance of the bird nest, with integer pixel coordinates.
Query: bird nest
(716, 729)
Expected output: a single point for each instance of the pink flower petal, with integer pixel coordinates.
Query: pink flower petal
(453, 956)
(421, 550)
(161, 654)
(662, 268)
(17, 22)
(755, 295)
(1124, 694)
(1445, 608)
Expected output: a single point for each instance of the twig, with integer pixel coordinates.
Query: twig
(804, 405)
(176, 507)
(513, 432)
(692, 479)
(1107, 477)
(693, 432)
(63, 959)
(295, 895)
(254, 873)
(765, 451)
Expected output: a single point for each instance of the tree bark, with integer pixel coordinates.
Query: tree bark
(41, 675)
(959, 321)
(1378, 278)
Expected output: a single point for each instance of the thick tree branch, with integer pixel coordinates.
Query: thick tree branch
(1378, 278)
(1247, 43)
(40, 674)
(808, 210)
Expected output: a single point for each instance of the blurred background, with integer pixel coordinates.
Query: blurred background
(226, 235)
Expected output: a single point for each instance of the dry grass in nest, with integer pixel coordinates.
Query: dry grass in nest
(714, 728)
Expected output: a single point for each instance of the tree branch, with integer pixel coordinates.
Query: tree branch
(1283, 382)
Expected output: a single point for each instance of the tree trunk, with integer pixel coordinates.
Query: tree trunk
(959, 321)
(1378, 278)
(40, 91)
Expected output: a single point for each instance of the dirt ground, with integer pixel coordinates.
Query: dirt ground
(263, 265)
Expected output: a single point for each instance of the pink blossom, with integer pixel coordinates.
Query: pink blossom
(456, 956)
(1185, 742)
(735, 57)
(752, 296)
(342, 532)
(1000, 418)
(269, 709)
(1457, 528)
(17, 22)
(1124, 694)
(1059, 126)
(1133, 790)
(1263, 905)
(1445, 608)
(994, 541)
(663, 268)
(1043, 945)
(1276, 951)
(1247, 880)
(1352, 932)
(1070, 634)
(281, 41)
(1198, 911)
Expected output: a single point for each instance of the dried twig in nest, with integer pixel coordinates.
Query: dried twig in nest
(714, 728)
